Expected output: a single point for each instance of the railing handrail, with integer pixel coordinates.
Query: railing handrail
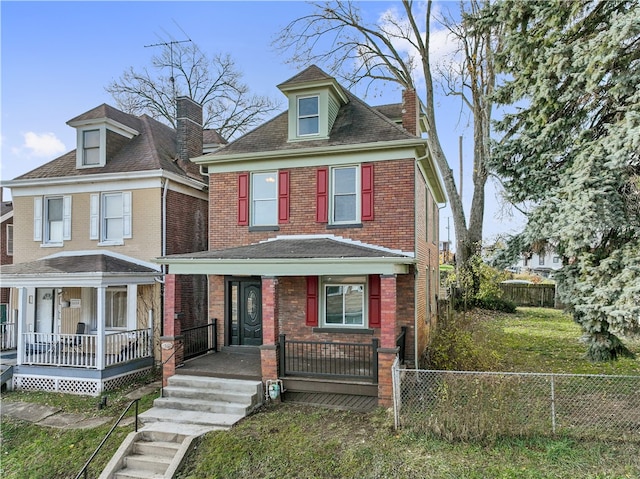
(84, 470)
(175, 350)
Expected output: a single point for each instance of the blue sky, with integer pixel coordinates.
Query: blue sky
(57, 58)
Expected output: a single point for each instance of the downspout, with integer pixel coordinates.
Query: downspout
(165, 189)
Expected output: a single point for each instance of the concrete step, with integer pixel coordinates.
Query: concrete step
(156, 448)
(146, 462)
(178, 416)
(216, 384)
(186, 404)
(245, 398)
(137, 474)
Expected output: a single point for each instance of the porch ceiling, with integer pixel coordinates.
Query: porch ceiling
(293, 256)
(90, 270)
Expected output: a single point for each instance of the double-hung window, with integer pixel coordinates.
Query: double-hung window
(344, 301)
(308, 116)
(91, 147)
(264, 198)
(9, 240)
(116, 308)
(52, 219)
(345, 186)
(110, 217)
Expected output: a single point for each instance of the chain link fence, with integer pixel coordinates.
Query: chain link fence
(477, 405)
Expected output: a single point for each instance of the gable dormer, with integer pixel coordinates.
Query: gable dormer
(314, 101)
(101, 133)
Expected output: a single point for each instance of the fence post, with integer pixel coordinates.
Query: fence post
(375, 344)
(214, 321)
(397, 397)
(553, 405)
(283, 364)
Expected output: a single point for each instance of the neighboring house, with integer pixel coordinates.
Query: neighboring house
(86, 294)
(541, 264)
(323, 239)
(7, 326)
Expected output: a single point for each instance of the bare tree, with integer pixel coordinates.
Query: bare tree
(181, 69)
(337, 36)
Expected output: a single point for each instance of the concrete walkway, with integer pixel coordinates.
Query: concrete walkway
(48, 416)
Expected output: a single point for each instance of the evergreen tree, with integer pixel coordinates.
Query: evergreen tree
(571, 152)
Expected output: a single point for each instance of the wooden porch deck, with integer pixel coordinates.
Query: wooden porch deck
(244, 363)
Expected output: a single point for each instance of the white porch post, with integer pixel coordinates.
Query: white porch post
(100, 339)
(132, 306)
(22, 322)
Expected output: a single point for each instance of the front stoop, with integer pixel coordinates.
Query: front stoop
(190, 406)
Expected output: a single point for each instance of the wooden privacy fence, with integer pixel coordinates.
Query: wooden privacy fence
(542, 295)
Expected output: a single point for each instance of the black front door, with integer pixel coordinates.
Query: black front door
(244, 304)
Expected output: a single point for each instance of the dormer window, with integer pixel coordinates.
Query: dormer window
(308, 116)
(91, 148)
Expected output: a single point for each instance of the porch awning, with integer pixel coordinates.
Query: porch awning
(293, 256)
(73, 270)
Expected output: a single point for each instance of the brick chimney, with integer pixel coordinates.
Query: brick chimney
(189, 126)
(410, 109)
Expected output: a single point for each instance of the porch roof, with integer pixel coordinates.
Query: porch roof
(293, 256)
(91, 269)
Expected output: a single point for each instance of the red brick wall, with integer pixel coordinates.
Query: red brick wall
(187, 232)
(393, 202)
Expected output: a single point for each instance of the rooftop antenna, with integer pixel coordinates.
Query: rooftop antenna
(171, 78)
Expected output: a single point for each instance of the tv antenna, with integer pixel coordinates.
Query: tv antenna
(170, 45)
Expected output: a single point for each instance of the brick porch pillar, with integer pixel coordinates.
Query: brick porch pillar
(171, 341)
(270, 329)
(388, 349)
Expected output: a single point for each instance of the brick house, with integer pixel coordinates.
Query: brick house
(7, 330)
(85, 292)
(323, 240)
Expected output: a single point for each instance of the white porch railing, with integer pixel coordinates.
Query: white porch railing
(8, 336)
(81, 350)
(126, 346)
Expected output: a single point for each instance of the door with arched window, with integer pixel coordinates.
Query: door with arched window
(244, 311)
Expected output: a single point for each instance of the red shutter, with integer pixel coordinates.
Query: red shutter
(283, 197)
(322, 195)
(374, 301)
(243, 199)
(312, 301)
(367, 192)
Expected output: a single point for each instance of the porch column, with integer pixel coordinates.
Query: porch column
(22, 322)
(132, 306)
(171, 342)
(270, 329)
(388, 349)
(100, 338)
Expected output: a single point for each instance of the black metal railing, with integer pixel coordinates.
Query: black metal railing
(327, 359)
(401, 342)
(200, 339)
(85, 470)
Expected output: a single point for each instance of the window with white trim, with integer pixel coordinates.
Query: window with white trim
(9, 240)
(343, 301)
(345, 195)
(308, 115)
(52, 219)
(110, 221)
(116, 308)
(91, 147)
(264, 198)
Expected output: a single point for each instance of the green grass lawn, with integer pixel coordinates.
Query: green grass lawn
(548, 341)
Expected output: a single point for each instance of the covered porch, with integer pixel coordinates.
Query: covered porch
(85, 321)
(289, 282)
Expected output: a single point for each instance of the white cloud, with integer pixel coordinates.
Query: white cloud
(43, 144)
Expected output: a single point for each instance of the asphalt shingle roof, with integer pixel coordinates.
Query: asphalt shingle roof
(91, 263)
(294, 249)
(153, 149)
